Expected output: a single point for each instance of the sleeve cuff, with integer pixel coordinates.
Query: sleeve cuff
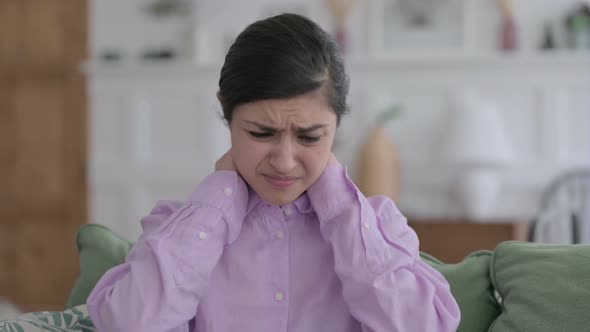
(334, 191)
(226, 191)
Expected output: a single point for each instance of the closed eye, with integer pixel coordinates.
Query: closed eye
(309, 139)
(257, 134)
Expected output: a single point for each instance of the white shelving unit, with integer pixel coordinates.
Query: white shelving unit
(549, 59)
(155, 132)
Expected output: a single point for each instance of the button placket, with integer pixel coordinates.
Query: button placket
(279, 237)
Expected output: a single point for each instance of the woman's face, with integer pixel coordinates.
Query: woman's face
(281, 147)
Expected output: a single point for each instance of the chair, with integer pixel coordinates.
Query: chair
(565, 210)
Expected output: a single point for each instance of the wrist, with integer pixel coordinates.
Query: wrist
(332, 192)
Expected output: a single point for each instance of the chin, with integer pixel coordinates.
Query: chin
(277, 196)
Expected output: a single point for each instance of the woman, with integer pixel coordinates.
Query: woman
(278, 238)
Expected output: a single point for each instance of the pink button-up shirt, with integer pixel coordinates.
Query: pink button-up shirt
(332, 261)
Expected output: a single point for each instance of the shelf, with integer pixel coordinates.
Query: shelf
(151, 67)
(455, 59)
(554, 59)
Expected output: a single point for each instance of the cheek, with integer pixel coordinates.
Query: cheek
(316, 160)
(247, 154)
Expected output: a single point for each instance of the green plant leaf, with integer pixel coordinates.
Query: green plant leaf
(388, 114)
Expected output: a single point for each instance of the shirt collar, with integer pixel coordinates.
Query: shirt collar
(253, 200)
(302, 203)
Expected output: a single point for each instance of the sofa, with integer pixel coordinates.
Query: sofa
(518, 286)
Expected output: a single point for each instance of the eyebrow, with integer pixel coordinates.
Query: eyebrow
(298, 129)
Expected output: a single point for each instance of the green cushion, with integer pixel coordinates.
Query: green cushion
(72, 320)
(471, 288)
(100, 249)
(543, 287)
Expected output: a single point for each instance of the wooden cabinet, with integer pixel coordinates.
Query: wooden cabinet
(42, 149)
(452, 240)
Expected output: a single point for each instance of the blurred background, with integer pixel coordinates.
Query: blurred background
(473, 115)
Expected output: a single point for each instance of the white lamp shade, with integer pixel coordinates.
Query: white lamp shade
(475, 134)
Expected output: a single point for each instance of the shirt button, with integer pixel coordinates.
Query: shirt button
(366, 225)
(280, 234)
(228, 191)
(279, 296)
(288, 211)
(202, 235)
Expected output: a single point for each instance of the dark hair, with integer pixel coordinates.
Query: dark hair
(281, 57)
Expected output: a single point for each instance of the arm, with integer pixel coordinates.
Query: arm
(159, 286)
(385, 284)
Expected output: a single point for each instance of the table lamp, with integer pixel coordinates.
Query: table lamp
(476, 145)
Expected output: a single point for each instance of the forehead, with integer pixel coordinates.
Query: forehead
(307, 108)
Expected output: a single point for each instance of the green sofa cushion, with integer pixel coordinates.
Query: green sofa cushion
(100, 249)
(543, 287)
(471, 288)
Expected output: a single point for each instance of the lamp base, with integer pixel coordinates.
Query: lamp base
(477, 192)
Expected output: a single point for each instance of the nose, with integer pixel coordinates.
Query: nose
(283, 157)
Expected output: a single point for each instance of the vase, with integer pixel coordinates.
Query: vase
(379, 166)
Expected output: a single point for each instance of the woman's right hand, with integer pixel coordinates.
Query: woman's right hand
(225, 163)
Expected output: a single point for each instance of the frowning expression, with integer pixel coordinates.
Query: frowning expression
(281, 146)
